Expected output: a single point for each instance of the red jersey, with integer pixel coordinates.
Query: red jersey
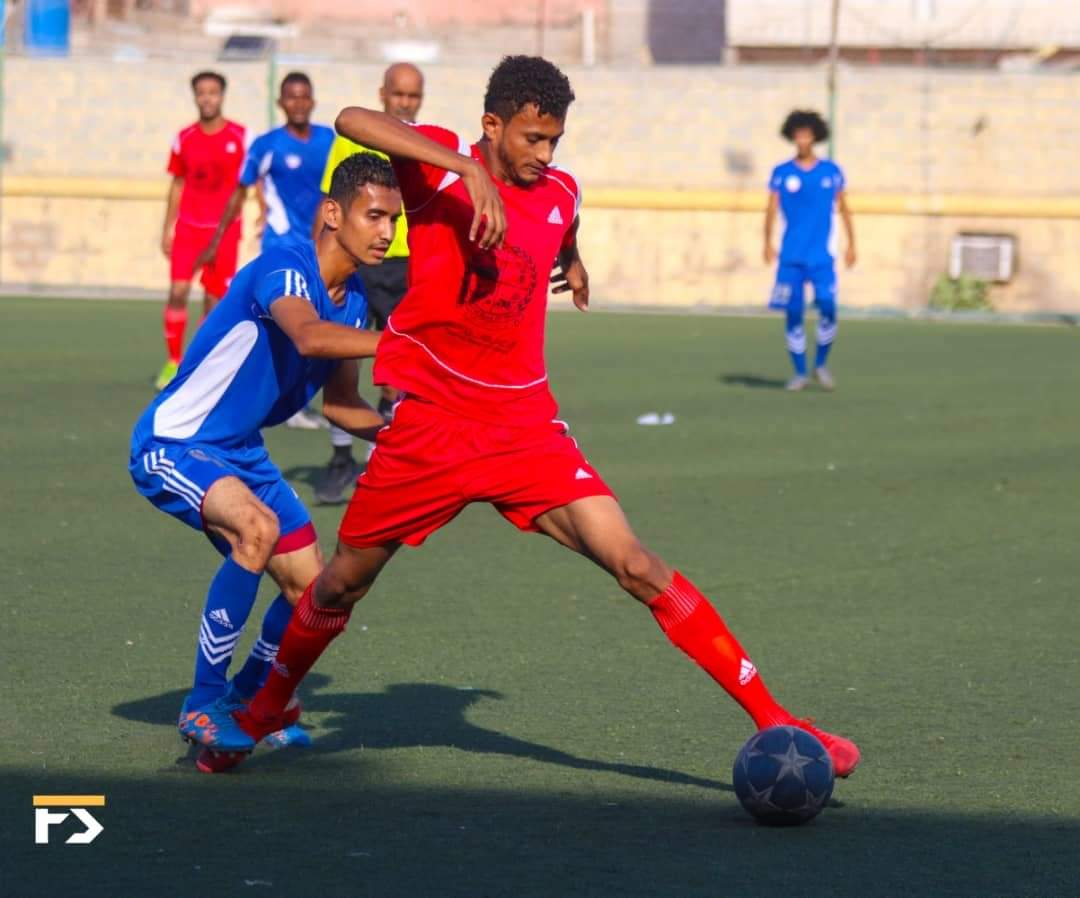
(469, 333)
(210, 166)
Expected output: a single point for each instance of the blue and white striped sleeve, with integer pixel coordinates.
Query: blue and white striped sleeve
(281, 282)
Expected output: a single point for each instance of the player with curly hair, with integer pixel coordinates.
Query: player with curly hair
(488, 222)
(806, 189)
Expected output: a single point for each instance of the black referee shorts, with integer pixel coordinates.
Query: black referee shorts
(386, 285)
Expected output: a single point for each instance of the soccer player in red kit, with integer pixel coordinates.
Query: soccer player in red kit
(487, 224)
(205, 165)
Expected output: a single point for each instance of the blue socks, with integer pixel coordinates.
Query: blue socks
(254, 672)
(826, 333)
(228, 604)
(796, 340)
(796, 337)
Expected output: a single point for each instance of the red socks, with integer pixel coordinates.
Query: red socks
(311, 629)
(691, 622)
(173, 327)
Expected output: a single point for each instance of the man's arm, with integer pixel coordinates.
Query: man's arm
(344, 407)
(769, 253)
(849, 228)
(384, 132)
(260, 221)
(318, 339)
(572, 274)
(172, 212)
(232, 209)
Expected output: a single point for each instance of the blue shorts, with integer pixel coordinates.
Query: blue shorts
(176, 476)
(790, 281)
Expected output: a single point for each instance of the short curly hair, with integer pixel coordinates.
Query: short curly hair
(520, 81)
(805, 118)
(296, 78)
(357, 170)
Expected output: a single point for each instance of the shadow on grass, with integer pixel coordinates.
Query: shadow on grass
(358, 830)
(753, 381)
(408, 715)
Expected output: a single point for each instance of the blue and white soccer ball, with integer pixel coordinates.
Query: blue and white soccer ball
(783, 776)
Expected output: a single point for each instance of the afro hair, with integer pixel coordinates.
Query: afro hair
(805, 118)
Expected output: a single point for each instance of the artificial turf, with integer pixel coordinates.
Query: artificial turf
(900, 557)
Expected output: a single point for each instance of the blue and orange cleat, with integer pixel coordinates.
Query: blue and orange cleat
(213, 726)
(283, 732)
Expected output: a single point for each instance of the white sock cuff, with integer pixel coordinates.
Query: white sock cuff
(340, 439)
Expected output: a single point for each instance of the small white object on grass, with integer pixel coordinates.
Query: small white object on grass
(654, 419)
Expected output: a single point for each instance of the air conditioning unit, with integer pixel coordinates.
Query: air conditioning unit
(989, 257)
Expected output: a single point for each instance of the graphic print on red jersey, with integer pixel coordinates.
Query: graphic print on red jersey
(210, 166)
(469, 334)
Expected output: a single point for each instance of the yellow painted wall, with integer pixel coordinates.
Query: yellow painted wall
(673, 162)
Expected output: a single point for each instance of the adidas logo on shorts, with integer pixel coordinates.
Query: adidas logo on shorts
(582, 474)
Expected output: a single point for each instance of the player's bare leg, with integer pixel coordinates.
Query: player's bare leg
(233, 512)
(350, 575)
(294, 571)
(597, 528)
(174, 324)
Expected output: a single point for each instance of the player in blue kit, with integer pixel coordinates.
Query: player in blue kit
(291, 324)
(286, 165)
(288, 162)
(806, 189)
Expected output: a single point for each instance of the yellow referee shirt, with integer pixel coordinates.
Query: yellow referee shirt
(341, 149)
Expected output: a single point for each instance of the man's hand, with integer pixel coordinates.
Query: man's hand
(769, 255)
(849, 256)
(573, 276)
(207, 256)
(488, 211)
(167, 243)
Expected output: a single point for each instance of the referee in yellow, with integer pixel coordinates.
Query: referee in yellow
(401, 94)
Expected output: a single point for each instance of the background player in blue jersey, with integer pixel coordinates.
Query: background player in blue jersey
(291, 324)
(288, 162)
(286, 165)
(806, 189)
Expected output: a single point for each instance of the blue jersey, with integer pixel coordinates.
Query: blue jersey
(291, 171)
(807, 199)
(242, 372)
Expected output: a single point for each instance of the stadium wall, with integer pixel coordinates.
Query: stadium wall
(673, 161)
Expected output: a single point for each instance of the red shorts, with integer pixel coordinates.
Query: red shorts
(189, 241)
(429, 464)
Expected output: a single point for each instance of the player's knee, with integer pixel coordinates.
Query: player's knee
(336, 588)
(258, 536)
(638, 571)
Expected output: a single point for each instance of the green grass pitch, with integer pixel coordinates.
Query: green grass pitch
(901, 558)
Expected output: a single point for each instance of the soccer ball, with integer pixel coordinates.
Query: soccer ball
(783, 776)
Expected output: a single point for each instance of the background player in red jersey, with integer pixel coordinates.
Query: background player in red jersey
(478, 421)
(205, 165)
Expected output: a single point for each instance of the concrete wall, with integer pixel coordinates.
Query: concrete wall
(905, 137)
(914, 23)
